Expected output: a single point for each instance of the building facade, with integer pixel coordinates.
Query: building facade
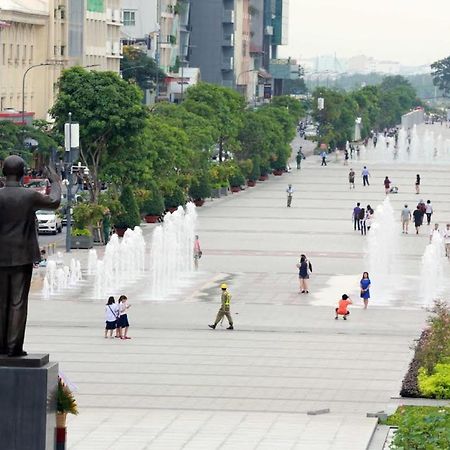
(59, 33)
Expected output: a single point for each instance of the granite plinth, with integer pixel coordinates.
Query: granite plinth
(34, 360)
(28, 403)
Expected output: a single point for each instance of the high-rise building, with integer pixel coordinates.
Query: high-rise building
(220, 41)
(58, 32)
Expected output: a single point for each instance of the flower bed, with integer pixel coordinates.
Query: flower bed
(421, 427)
(429, 371)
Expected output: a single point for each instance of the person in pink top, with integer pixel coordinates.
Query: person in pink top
(197, 252)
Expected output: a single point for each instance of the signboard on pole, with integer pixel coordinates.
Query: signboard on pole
(71, 136)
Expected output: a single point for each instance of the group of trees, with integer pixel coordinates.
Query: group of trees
(379, 106)
(171, 152)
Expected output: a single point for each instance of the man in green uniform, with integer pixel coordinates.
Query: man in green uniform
(224, 309)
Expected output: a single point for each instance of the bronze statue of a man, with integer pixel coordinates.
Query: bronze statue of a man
(19, 249)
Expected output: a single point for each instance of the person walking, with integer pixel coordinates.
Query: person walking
(368, 218)
(429, 211)
(417, 184)
(355, 216)
(364, 285)
(351, 178)
(111, 314)
(324, 158)
(299, 158)
(446, 236)
(342, 309)
(290, 193)
(362, 221)
(405, 217)
(346, 157)
(418, 218)
(224, 308)
(304, 269)
(197, 251)
(123, 317)
(365, 176)
(387, 185)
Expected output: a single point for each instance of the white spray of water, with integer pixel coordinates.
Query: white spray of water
(382, 245)
(432, 275)
(122, 264)
(172, 250)
(59, 276)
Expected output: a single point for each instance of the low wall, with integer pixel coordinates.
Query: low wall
(413, 118)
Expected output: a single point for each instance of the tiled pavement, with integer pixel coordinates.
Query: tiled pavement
(177, 384)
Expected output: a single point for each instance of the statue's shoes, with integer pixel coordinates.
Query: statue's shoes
(17, 354)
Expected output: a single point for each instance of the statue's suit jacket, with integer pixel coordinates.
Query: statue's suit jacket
(18, 235)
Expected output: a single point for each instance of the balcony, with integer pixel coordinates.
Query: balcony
(228, 64)
(228, 40)
(228, 16)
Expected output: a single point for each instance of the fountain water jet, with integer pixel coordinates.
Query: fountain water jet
(382, 245)
(172, 250)
(432, 275)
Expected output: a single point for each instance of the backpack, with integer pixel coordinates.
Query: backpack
(361, 214)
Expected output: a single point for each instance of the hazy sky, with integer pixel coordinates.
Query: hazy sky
(413, 32)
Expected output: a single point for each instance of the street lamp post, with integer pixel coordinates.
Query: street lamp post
(23, 85)
(69, 187)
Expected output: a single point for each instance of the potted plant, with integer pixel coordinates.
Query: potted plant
(236, 180)
(65, 404)
(200, 189)
(255, 172)
(153, 205)
(81, 238)
(265, 170)
(129, 217)
(175, 198)
(279, 166)
(86, 216)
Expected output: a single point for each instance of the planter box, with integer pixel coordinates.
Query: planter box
(215, 193)
(200, 202)
(235, 189)
(151, 219)
(81, 242)
(278, 173)
(224, 191)
(251, 183)
(263, 177)
(172, 209)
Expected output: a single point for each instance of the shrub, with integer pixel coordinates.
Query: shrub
(436, 347)
(130, 217)
(175, 198)
(410, 386)
(256, 169)
(436, 385)
(265, 167)
(153, 205)
(80, 232)
(66, 402)
(421, 428)
(87, 214)
(246, 167)
(200, 187)
(236, 178)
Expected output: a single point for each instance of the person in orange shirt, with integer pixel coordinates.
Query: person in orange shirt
(342, 309)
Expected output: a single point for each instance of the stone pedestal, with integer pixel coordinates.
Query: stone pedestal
(28, 389)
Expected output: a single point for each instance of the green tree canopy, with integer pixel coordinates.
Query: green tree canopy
(223, 107)
(441, 75)
(110, 114)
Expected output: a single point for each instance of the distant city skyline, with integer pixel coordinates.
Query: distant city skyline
(412, 32)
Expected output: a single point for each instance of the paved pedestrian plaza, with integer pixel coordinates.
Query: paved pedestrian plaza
(179, 385)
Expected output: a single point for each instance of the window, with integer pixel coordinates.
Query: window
(31, 53)
(129, 18)
(63, 50)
